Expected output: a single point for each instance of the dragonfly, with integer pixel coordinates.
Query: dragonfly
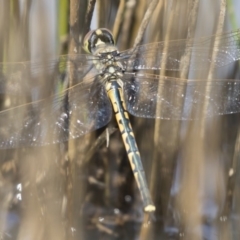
(107, 81)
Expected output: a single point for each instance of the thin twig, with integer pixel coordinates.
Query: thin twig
(212, 64)
(74, 27)
(70, 148)
(162, 73)
(145, 22)
(119, 19)
(232, 177)
(128, 16)
(185, 60)
(89, 15)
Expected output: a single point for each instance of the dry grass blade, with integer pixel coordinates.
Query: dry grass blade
(152, 6)
(119, 18)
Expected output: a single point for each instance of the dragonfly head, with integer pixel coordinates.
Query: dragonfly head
(99, 37)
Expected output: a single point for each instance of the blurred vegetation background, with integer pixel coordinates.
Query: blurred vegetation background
(82, 189)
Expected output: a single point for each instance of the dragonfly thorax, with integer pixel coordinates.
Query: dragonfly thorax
(111, 72)
(108, 64)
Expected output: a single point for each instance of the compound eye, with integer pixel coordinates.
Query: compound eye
(95, 38)
(106, 35)
(86, 41)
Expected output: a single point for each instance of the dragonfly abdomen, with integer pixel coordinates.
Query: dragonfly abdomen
(115, 94)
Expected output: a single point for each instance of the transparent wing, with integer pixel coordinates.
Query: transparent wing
(151, 96)
(31, 77)
(150, 56)
(69, 114)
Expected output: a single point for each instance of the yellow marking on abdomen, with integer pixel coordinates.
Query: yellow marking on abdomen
(126, 115)
(131, 159)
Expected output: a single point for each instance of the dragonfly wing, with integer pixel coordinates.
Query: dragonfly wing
(152, 96)
(150, 56)
(32, 78)
(69, 114)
